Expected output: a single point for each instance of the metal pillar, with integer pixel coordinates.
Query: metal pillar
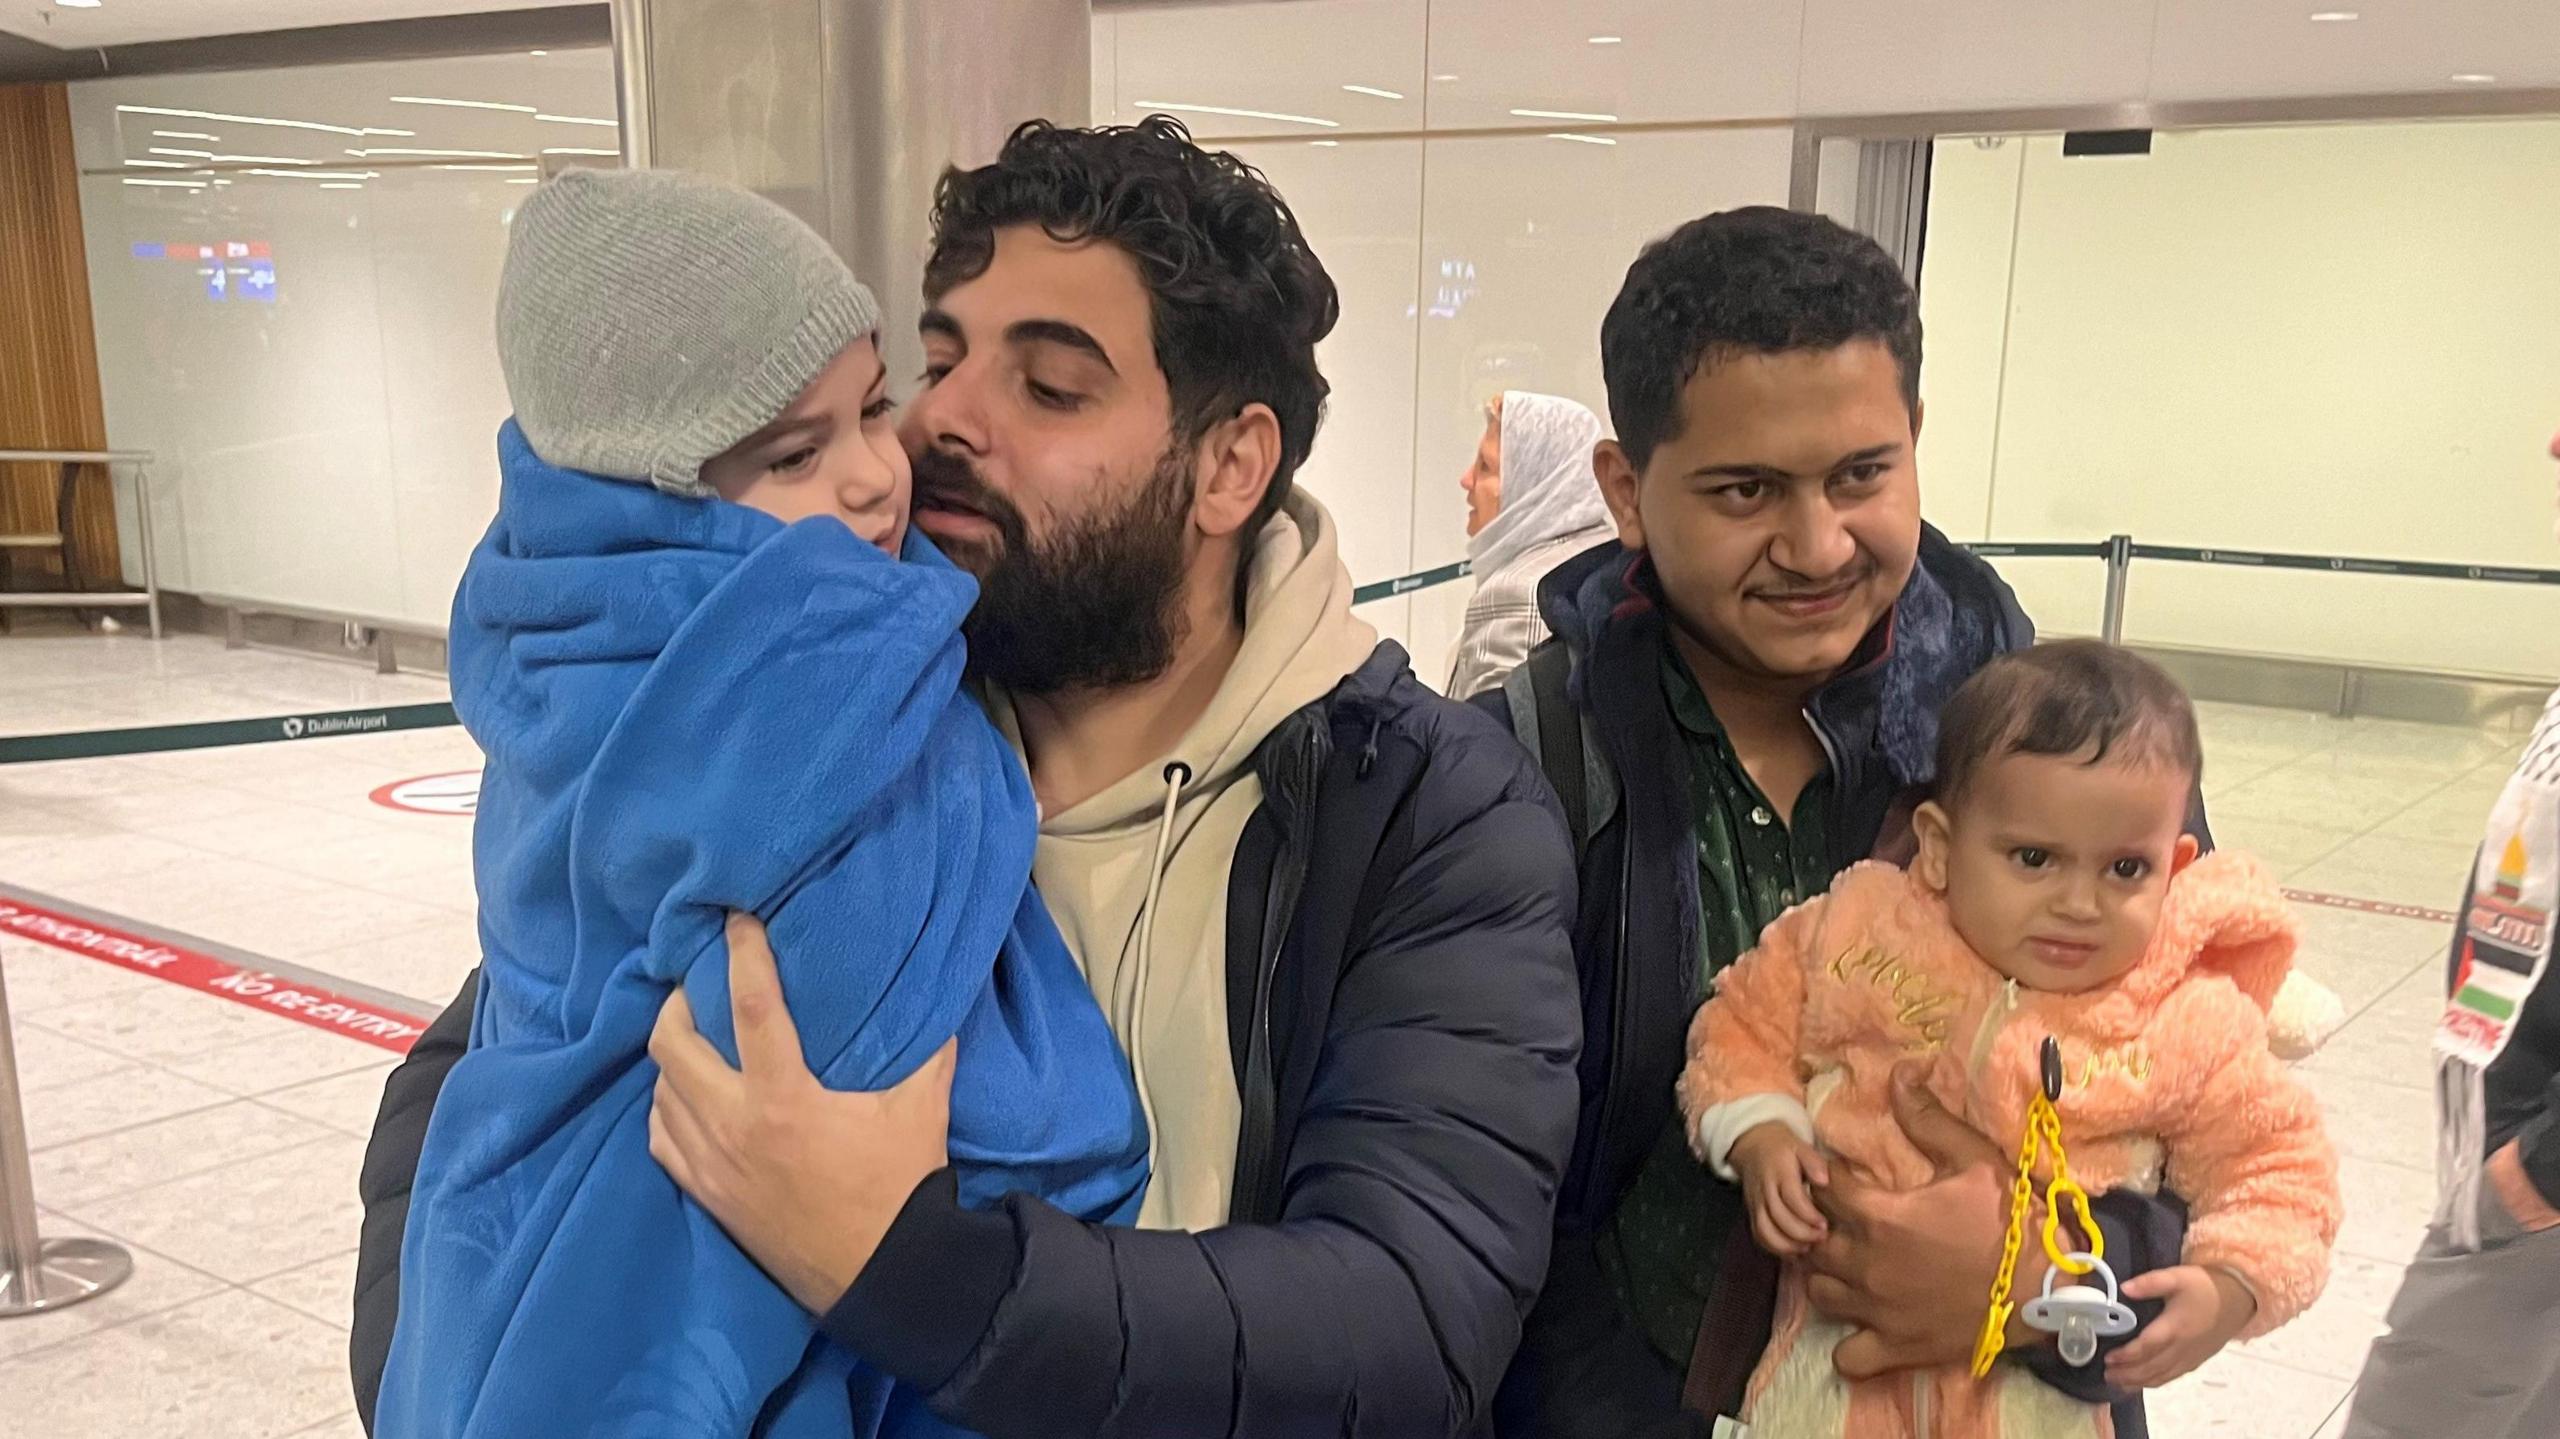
(2119, 569)
(1893, 198)
(36, 1273)
(631, 48)
(846, 111)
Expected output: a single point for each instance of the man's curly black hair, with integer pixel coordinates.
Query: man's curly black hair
(1754, 281)
(1239, 299)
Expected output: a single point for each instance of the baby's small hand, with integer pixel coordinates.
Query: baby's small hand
(2207, 1309)
(1779, 1172)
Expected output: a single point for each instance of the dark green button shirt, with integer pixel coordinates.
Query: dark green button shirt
(1753, 865)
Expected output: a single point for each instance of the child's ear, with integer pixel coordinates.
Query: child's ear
(1935, 832)
(2184, 855)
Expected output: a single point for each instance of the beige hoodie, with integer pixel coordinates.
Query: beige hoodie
(1162, 979)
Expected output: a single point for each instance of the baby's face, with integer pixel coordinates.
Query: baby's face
(834, 452)
(2054, 868)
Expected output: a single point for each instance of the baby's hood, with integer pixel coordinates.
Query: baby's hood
(2223, 915)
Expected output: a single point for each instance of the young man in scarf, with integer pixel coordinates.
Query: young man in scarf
(2471, 1353)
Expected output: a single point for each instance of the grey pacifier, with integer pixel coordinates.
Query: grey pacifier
(2078, 1312)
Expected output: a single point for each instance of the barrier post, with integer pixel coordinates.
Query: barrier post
(36, 1273)
(150, 551)
(2119, 568)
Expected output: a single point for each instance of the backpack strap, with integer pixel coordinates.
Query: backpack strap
(1544, 719)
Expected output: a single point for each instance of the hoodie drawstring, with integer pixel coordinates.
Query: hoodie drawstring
(1369, 751)
(1133, 978)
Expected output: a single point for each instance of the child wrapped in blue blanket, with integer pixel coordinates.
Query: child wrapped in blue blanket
(714, 671)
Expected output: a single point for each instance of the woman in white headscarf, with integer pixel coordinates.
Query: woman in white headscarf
(1532, 504)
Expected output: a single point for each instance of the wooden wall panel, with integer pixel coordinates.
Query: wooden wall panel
(49, 398)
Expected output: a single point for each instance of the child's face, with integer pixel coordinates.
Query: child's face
(2053, 868)
(834, 452)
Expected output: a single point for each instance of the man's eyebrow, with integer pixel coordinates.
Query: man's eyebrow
(1867, 456)
(1059, 332)
(938, 323)
(1739, 472)
(1749, 471)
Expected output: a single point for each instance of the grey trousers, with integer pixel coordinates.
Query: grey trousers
(2474, 1346)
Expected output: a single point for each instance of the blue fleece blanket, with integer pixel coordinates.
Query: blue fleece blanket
(688, 709)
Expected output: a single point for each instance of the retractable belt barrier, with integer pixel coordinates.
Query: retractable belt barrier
(208, 734)
(2348, 565)
(2037, 549)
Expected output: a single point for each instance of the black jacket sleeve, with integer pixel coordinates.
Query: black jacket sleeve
(1419, 1197)
(390, 1166)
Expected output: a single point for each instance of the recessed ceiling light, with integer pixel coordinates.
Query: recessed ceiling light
(1326, 144)
(184, 135)
(77, 4)
(1374, 90)
(2474, 77)
(2334, 17)
(1566, 115)
(579, 120)
(444, 154)
(1444, 79)
(1582, 139)
(1284, 118)
(574, 150)
(343, 185)
(1608, 39)
(537, 54)
(461, 104)
(247, 120)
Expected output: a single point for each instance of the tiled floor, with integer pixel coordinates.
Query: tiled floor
(221, 1144)
(218, 1143)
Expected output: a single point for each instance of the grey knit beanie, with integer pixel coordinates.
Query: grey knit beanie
(649, 320)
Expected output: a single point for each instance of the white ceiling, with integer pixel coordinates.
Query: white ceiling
(134, 22)
(1452, 64)
(1672, 60)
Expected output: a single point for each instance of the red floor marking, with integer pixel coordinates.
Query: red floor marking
(293, 999)
(454, 793)
(388, 1029)
(2372, 906)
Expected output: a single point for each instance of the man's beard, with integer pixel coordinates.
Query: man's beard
(1096, 605)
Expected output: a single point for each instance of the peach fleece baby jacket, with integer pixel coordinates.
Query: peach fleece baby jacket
(2168, 1081)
